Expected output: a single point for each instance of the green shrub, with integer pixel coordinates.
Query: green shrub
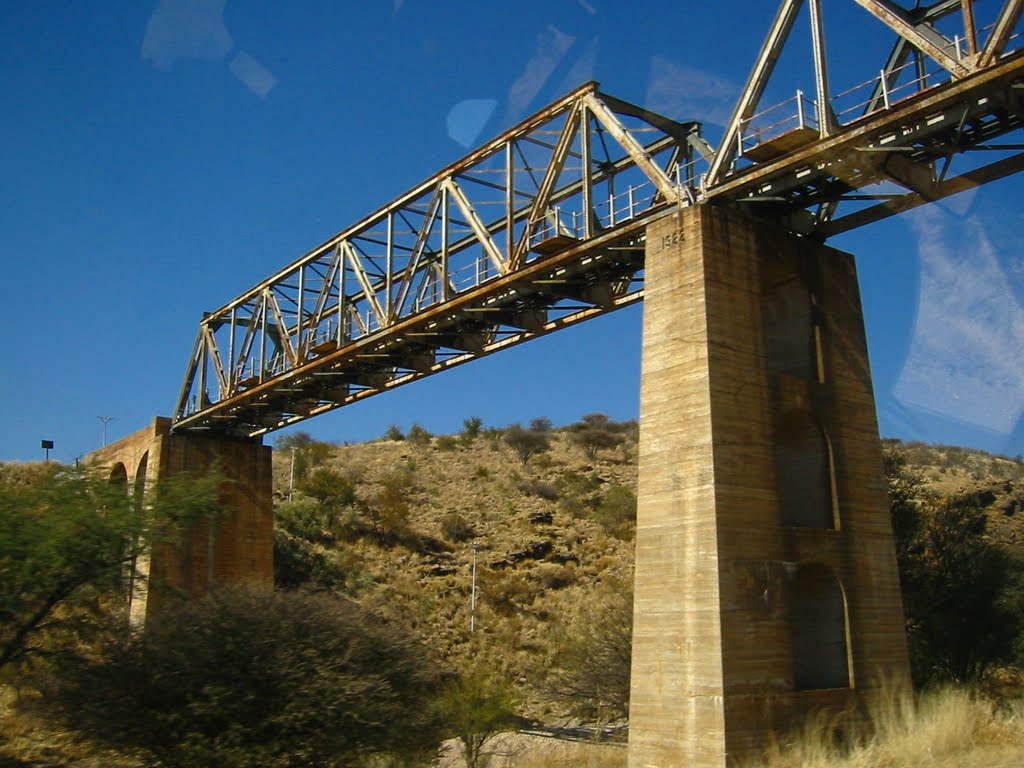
(256, 679)
(455, 527)
(474, 709)
(527, 442)
(471, 429)
(329, 487)
(418, 435)
(446, 443)
(537, 488)
(306, 518)
(617, 511)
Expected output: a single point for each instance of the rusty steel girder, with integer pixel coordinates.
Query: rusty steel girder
(543, 226)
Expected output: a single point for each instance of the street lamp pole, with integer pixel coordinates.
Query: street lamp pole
(106, 420)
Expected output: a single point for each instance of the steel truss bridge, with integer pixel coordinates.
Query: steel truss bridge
(544, 226)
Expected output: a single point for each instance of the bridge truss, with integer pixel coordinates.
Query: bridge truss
(544, 226)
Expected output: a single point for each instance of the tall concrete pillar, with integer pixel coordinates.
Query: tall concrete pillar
(236, 548)
(766, 582)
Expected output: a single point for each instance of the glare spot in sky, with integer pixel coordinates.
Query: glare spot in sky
(582, 69)
(253, 74)
(551, 46)
(467, 118)
(965, 356)
(194, 29)
(396, 6)
(687, 93)
(186, 29)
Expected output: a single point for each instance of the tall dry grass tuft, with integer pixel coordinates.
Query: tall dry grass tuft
(947, 728)
(571, 755)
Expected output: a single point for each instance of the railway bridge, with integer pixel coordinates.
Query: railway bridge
(766, 580)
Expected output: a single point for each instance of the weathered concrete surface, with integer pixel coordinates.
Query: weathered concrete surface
(766, 580)
(236, 549)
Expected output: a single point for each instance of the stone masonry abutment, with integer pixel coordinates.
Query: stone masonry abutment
(236, 548)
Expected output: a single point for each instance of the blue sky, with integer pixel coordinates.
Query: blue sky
(161, 157)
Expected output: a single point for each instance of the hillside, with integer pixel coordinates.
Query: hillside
(393, 523)
(993, 483)
(550, 536)
(554, 536)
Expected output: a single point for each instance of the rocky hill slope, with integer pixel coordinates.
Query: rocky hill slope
(396, 523)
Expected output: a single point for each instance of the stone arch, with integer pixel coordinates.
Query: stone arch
(119, 476)
(139, 487)
(138, 566)
(818, 629)
(804, 469)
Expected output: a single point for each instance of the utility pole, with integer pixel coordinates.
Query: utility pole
(472, 595)
(106, 420)
(291, 476)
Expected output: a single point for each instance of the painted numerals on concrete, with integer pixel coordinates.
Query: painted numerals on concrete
(672, 238)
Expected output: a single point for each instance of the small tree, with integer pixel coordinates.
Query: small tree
(474, 710)
(294, 440)
(595, 432)
(471, 428)
(617, 511)
(69, 541)
(963, 596)
(388, 511)
(541, 424)
(256, 679)
(591, 667)
(527, 442)
(418, 435)
(329, 487)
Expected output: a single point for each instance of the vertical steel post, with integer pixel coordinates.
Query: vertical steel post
(510, 180)
(341, 295)
(445, 281)
(826, 117)
(232, 372)
(588, 172)
(300, 311)
(203, 357)
(389, 267)
(263, 337)
(970, 31)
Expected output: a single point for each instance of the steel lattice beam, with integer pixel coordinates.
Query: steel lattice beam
(437, 276)
(543, 226)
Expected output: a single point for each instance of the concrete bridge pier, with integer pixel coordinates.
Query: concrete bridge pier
(237, 548)
(766, 581)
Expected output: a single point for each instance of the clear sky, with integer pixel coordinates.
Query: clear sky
(159, 157)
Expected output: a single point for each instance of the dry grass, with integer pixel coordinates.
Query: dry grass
(27, 740)
(518, 750)
(943, 729)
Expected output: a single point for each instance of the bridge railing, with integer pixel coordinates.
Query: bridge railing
(891, 86)
(795, 113)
